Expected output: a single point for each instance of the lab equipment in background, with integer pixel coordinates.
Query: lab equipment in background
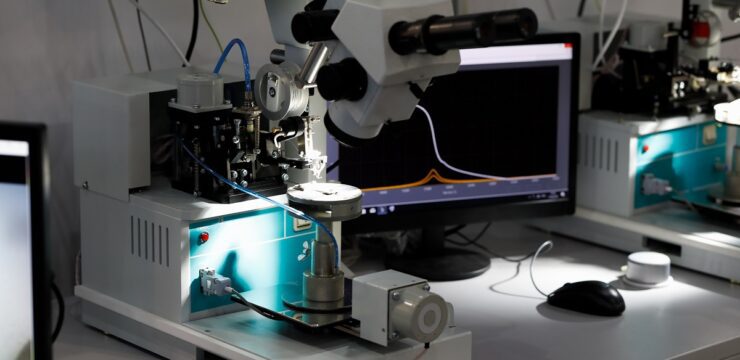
(654, 66)
(630, 163)
(436, 170)
(647, 174)
(24, 189)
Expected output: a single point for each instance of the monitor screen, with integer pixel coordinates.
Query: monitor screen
(17, 312)
(498, 132)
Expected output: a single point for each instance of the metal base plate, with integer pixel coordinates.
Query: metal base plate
(719, 196)
(271, 300)
(296, 301)
(706, 204)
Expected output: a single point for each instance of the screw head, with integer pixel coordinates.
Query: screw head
(285, 177)
(244, 183)
(85, 185)
(244, 173)
(396, 295)
(395, 335)
(235, 139)
(426, 287)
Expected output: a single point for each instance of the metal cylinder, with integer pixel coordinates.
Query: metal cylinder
(437, 34)
(200, 90)
(419, 314)
(322, 259)
(315, 60)
(277, 56)
(323, 289)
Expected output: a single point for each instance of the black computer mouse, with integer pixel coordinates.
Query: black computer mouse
(589, 297)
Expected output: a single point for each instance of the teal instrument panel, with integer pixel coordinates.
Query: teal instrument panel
(256, 249)
(686, 157)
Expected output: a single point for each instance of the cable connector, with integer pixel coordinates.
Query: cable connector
(652, 185)
(212, 284)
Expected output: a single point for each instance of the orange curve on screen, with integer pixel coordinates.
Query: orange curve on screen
(432, 175)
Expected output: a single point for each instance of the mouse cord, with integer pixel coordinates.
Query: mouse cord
(545, 247)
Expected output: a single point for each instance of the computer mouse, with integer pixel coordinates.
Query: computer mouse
(589, 297)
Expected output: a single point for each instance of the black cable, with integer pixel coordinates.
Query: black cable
(60, 314)
(248, 304)
(194, 31)
(143, 39)
(581, 7)
(470, 241)
(730, 38)
(331, 167)
(474, 242)
(455, 229)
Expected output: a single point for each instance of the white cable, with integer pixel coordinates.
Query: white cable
(612, 34)
(599, 5)
(163, 31)
(547, 244)
(550, 9)
(602, 12)
(120, 36)
(439, 157)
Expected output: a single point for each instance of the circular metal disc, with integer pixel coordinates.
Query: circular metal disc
(327, 201)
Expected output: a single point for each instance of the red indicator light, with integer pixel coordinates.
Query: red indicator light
(568, 45)
(645, 148)
(204, 237)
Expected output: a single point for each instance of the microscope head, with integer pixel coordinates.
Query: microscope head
(385, 53)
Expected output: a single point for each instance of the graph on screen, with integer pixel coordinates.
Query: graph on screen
(497, 125)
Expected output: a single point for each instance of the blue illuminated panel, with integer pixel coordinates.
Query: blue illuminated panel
(681, 157)
(256, 250)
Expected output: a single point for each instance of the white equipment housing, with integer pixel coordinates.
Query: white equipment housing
(137, 241)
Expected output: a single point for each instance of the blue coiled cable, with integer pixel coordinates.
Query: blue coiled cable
(245, 61)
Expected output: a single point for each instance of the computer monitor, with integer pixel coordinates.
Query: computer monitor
(26, 311)
(499, 144)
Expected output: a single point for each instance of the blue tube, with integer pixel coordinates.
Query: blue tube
(287, 208)
(245, 61)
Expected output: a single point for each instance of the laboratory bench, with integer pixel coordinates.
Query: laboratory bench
(695, 317)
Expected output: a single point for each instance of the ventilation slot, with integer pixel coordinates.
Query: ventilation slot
(616, 156)
(150, 241)
(597, 152)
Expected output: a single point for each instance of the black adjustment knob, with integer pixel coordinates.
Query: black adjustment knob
(313, 26)
(345, 80)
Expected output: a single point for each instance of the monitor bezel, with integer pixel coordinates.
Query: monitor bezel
(484, 210)
(35, 136)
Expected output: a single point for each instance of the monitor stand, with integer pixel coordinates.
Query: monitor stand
(435, 262)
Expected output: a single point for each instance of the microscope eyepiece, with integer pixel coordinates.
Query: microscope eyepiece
(437, 34)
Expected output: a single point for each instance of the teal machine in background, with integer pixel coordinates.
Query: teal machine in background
(628, 164)
(646, 184)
